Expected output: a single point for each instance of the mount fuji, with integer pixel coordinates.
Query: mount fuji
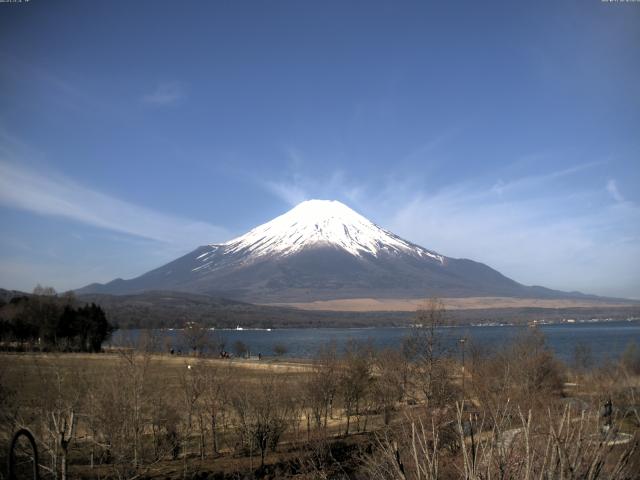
(323, 250)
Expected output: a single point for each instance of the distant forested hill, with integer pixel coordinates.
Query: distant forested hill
(173, 309)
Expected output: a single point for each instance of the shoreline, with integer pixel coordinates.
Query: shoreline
(374, 327)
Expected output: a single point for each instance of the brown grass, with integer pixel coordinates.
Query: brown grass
(471, 303)
(22, 368)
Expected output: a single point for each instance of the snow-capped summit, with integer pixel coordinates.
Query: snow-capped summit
(322, 222)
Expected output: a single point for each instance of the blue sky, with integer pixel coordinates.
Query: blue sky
(505, 132)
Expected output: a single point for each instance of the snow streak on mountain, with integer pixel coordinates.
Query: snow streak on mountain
(320, 222)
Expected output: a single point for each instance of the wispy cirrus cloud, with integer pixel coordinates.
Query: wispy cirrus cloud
(535, 181)
(612, 189)
(533, 230)
(290, 192)
(296, 184)
(166, 94)
(48, 193)
(334, 185)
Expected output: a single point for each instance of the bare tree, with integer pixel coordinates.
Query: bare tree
(391, 372)
(321, 386)
(567, 444)
(524, 374)
(279, 349)
(197, 338)
(427, 349)
(134, 365)
(60, 400)
(216, 393)
(355, 377)
(192, 385)
(582, 357)
(163, 421)
(412, 453)
(218, 342)
(263, 413)
(630, 358)
(44, 291)
(537, 371)
(10, 410)
(240, 348)
(112, 414)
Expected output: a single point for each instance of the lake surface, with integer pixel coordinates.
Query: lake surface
(606, 340)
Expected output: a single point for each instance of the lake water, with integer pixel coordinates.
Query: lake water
(606, 340)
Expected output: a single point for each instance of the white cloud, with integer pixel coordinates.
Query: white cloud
(560, 240)
(299, 188)
(165, 94)
(295, 185)
(612, 188)
(289, 192)
(46, 193)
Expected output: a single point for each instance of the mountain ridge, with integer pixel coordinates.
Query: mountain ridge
(323, 250)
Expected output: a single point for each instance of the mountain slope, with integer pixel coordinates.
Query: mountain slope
(323, 250)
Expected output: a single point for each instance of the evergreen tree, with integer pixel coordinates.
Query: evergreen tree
(54, 322)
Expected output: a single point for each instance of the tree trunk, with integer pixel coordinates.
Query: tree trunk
(63, 465)
(201, 436)
(64, 428)
(214, 439)
(348, 421)
(54, 462)
(154, 435)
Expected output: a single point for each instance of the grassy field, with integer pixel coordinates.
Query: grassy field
(26, 369)
(145, 415)
(27, 377)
